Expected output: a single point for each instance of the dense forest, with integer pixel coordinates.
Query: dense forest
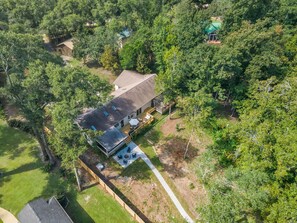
(250, 171)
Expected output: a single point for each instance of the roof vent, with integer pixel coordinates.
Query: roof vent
(113, 108)
(105, 113)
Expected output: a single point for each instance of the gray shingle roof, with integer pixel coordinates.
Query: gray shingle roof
(42, 211)
(111, 138)
(125, 102)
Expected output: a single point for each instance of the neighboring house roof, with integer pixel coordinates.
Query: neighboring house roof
(111, 138)
(127, 99)
(214, 26)
(124, 34)
(42, 211)
(68, 43)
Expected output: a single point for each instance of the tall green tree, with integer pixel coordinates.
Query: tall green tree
(26, 84)
(74, 89)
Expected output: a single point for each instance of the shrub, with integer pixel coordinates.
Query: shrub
(177, 127)
(22, 125)
(47, 168)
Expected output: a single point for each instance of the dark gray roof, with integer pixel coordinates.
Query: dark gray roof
(111, 138)
(124, 103)
(42, 211)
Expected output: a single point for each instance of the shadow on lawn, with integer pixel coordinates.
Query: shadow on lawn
(3, 179)
(138, 170)
(24, 168)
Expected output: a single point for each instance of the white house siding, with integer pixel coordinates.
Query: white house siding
(126, 120)
(147, 105)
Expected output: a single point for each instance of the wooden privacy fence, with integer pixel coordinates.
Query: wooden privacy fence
(107, 186)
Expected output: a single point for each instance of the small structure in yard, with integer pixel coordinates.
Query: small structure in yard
(44, 211)
(65, 48)
(123, 36)
(134, 95)
(213, 29)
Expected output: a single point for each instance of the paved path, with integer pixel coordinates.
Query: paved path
(7, 217)
(166, 187)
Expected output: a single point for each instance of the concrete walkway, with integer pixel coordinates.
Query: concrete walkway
(7, 217)
(166, 187)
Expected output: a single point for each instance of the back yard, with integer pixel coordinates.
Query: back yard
(166, 144)
(23, 180)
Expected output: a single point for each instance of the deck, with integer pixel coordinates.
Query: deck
(144, 118)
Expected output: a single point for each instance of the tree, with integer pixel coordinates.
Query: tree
(251, 11)
(137, 52)
(74, 89)
(25, 16)
(27, 85)
(109, 59)
(91, 46)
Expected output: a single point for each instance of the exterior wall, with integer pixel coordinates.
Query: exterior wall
(64, 50)
(115, 149)
(126, 120)
(149, 104)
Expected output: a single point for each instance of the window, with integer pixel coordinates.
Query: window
(105, 113)
(122, 123)
(138, 112)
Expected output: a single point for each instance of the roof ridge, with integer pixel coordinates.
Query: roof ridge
(135, 85)
(36, 214)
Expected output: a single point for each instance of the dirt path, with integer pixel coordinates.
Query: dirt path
(7, 217)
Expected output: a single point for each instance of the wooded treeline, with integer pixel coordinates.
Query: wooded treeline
(251, 170)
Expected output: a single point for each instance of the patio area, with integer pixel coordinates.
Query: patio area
(128, 155)
(144, 119)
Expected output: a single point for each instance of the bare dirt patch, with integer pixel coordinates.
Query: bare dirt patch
(139, 185)
(171, 150)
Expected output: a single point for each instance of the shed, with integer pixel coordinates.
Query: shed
(44, 211)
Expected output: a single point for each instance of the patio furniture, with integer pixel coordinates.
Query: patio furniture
(126, 156)
(134, 155)
(134, 122)
(120, 157)
(128, 149)
(125, 161)
(100, 166)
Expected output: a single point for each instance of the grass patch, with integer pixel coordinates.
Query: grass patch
(24, 180)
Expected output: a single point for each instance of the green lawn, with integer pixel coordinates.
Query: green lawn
(24, 180)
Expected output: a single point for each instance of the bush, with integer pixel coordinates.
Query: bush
(22, 125)
(47, 168)
(177, 127)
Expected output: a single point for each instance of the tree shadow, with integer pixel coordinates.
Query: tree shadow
(225, 110)
(23, 168)
(3, 180)
(138, 170)
(76, 212)
(173, 155)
